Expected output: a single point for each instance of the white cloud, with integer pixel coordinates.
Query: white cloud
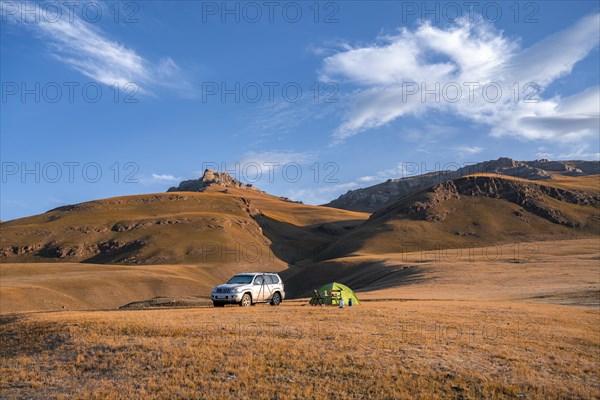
(322, 194)
(392, 74)
(160, 179)
(87, 49)
(165, 178)
(327, 192)
(580, 152)
(407, 168)
(556, 55)
(401, 170)
(260, 168)
(368, 178)
(278, 117)
(467, 150)
(572, 118)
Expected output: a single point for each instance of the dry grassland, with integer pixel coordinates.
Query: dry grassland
(378, 350)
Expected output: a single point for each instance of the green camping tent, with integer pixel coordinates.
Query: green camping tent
(337, 290)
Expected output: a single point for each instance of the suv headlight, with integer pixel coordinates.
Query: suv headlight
(237, 289)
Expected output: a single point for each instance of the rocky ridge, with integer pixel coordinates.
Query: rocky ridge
(211, 178)
(531, 196)
(373, 198)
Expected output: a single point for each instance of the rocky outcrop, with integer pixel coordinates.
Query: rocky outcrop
(125, 226)
(531, 196)
(210, 178)
(573, 168)
(519, 192)
(379, 196)
(83, 252)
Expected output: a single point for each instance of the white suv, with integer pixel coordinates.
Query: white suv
(248, 289)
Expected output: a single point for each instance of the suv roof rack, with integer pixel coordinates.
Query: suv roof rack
(250, 273)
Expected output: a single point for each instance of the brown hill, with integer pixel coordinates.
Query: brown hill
(222, 224)
(66, 257)
(475, 211)
(373, 198)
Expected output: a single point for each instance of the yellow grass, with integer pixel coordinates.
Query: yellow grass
(469, 329)
(564, 271)
(467, 222)
(378, 350)
(481, 309)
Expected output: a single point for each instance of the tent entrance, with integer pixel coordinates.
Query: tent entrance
(331, 294)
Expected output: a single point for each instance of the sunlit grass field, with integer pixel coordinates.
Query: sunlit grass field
(378, 350)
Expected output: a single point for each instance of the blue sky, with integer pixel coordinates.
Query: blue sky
(303, 99)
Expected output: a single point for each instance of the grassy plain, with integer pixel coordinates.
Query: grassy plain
(380, 349)
(507, 328)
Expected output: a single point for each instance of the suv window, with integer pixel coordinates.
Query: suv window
(240, 279)
(274, 278)
(269, 279)
(258, 280)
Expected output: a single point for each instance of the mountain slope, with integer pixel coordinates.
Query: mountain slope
(181, 243)
(373, 198)
(222, 224)
(174, 244)
(475, 211)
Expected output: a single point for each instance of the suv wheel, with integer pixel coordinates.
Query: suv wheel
(246, 300)
(276, 300)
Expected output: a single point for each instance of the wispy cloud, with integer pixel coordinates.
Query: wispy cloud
(87, 49)
(322, 194)
(272, 121)
(260, 167)
(581, 152)
(55, 200)
(155, 179)
(463, 151)
(326, 192)
(390, 77)
(399, 171)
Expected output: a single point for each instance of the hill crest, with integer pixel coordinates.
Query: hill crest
(379, 196)
(211, 178)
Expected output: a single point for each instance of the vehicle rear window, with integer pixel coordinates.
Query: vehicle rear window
(274, 278)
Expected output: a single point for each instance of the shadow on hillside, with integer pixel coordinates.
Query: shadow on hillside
(113, 252)
(293, 244)
(304, 249)
(361, 276)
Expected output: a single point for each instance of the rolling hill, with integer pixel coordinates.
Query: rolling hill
(222, 223)
(478, 210)
(373, 198)
(106, 253)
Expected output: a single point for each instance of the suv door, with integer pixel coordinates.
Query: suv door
(270, 286)
(259, 288)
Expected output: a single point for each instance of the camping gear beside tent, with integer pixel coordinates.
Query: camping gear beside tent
(331, 294)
